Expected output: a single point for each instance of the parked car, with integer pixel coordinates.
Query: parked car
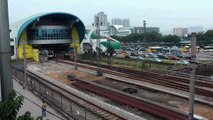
(172, 57)
(140, 57)
(157, 59)
(183, 62)
(152, 55)
(187, 57)
(161, 56)
(133, 57)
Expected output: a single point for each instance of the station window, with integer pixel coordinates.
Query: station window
(49, 34)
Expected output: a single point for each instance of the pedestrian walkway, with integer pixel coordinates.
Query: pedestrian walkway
(33, 104)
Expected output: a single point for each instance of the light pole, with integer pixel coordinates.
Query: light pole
(144, 29)
(5, 54)
(25, 65)
(91, 48)
(75, 47)
(75, 55)
(99, 70)
(193, 66)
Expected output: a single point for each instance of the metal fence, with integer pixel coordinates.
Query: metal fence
(69, 106)
(187, 75)
(134, 63)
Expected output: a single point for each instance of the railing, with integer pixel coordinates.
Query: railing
(62, 102)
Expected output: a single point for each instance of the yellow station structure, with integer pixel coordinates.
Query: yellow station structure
(51, 31)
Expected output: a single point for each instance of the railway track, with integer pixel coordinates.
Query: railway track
(154, 78)
(94, 112)
(141, 104)
(171, 84)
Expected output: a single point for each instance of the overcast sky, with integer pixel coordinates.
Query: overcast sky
(165, 14)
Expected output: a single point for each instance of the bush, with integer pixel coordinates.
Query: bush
(9, 108)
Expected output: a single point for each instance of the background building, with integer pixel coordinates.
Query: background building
(102, 19)
(90, 41)
(148, 29)
(123, 22)
(119, 30)
(126, 23)
(180, 32)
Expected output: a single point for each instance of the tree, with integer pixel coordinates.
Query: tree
(110, 50)
(205, 38)
(173, 39)
(9, 108)
(154, 37)
(27, 116)
(209, 37)
(201, 39)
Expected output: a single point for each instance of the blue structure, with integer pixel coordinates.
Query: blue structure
(56, 31)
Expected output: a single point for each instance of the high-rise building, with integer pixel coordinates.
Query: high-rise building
(148, 29)
(118, 21)
(102, 19)
(180, 32)
(126, 22)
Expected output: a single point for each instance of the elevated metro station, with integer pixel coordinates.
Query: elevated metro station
(58, 32)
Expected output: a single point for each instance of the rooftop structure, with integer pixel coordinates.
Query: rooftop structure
(148, 29)
(119, 30)
(91, 41)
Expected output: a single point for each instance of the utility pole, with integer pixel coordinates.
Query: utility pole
(75, 54)
(91, 48)
(144, 30)
(25, 65)
(99, 70)
(75, 47)
(193, 66)
(5, 54)
(110, 46)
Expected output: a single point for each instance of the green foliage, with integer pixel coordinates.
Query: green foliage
(171, 39)
(9, 108)
(110, 50)
(203, 38)
(150, 37)
(154, 37)
(26, 116)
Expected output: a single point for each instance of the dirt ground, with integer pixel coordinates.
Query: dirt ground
(200, 110)
(57, 73)
(163, 99)
(62, 76)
